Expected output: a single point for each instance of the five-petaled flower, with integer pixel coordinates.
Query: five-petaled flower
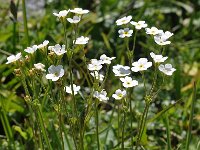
(102, 96)
(55, 72)
(120, 70)
(79, 11)
(39, 66)
(81, 40)
(123, 20)
(61, 14)
(153, 31)
(58, 49)
(97, 75)
(139, 25)
(119, 94)
(95, 65)
(161, 38)
(125, 33)
(75, 19)
(32, 49)
(68, 89)
(43, 45)
(158, 58)
(129, 82)
(167, 69)
(141, 65)
(105, 59)
(13, 58)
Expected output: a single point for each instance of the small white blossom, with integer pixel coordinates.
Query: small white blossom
(39, 66)
(105, 59)
(161, 38)
(79, 11)
(102, 96)
(97, 75)
(167, 69)
(141, 65)
(68, 89)
(75, 19)
(32, 49)
(13, 58)
(139, 25)
(81, 40)
(43, 45)
(120, 70)
(153, 31)
(158, 58)
(125, 33)
(58, 49)
(123, 20)
(119, 94)
(55, 72)
(95, 65)
(128, 82)
(61, 14)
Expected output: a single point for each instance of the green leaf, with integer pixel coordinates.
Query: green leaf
(22, 133)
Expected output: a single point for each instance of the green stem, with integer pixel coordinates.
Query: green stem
(97, 123)
(123, 126)
(41, 121)
(118, 121)
(134, 39)
(25, 23)
(191, 117)
(144, 82)
(142, 124)
(168, 132)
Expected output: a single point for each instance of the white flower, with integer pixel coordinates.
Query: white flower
(44, 44)
(55, 72)
(61, 14)
(75, 19)
(79, 11)
(32, 49)
(141, 65)
(95, 65)
(167, 69)
(81, 40)
(128, 82)
(120, 70)
(105, 59)
(125, 33)
(161, 38)
(68, 89)
(139, 25)
(119, 94)
(102, 96)
(58, 49)
(39, 66)
(97, 75)
(153, 31)
(158, 58)
(123, 20)
(13, 58)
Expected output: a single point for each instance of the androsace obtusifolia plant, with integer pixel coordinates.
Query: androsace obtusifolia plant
(51, 84)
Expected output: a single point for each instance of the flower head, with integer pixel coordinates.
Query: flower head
(81, 40)
(139, 25)
(158, 58)
(58, 49)
(95, 65)
(68, 89)
(13, 58)
(161, 38)
(32, 49)
(141, 65)
(125, 33)
(123, 20)
(75, 19)
(128, 82)
(97, 75)
(119, 94)
(120, 70)
(167, 69)
(43, 45)
(79, 11)
(102, 96)
(55, 72)
(105, 59)
(61, 14)
(39, 66)
(153, 31)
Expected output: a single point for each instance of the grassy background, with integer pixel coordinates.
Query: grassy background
(180, 17)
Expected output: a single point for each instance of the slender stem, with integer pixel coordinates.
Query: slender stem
(118, 121)
(144, 82)
(97, 123)
(123, 126)
(154, 80)
(134, 39)
(142, 125)
(191, 117)
(25, 23)
(168, 132)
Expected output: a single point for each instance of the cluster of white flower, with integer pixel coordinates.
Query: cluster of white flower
(160, 37)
